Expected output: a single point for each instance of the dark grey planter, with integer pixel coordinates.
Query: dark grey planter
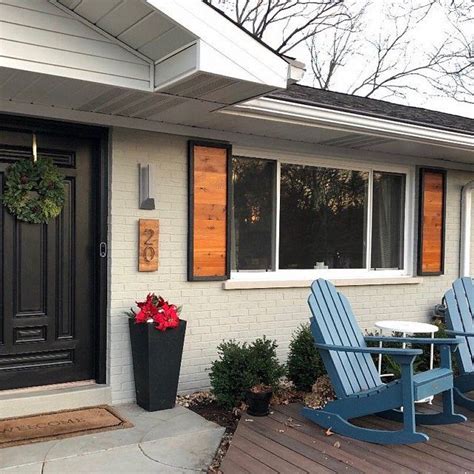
(259, 403)
(156, 364)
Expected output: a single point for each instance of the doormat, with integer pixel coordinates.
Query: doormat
(59, 424)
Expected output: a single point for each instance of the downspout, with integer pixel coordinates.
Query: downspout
(466, 225)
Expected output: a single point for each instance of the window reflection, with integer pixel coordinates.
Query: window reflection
(253, 220)
(323, 217)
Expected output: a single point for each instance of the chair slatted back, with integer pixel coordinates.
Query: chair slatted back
(460, 317)
(333, 322)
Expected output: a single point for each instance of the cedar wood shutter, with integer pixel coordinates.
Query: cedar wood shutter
(209, 211)
(432, 221)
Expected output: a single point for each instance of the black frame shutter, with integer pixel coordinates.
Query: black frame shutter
(431, 221)
(209, 203)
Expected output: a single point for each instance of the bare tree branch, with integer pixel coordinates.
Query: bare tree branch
(346, 55)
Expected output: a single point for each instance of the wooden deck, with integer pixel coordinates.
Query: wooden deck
(287, 443)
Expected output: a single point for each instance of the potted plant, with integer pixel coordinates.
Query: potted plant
(265, 372)
(258, 399)
(157, 339)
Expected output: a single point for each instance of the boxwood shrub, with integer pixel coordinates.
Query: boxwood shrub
(304, 364)
(240, 366)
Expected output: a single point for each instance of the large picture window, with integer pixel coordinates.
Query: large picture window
(322, 217)
(289, 217)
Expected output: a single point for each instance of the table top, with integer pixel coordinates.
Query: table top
(410, 327)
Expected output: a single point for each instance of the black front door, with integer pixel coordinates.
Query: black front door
(48, 272)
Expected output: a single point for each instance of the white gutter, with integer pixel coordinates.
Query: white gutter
(309, 115)
(466, 225)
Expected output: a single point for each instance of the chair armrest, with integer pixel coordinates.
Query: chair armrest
(415, 340)
(460, 333)
(394, 352)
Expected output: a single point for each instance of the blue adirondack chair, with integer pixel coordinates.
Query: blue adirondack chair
(460, 322)
(357, 384)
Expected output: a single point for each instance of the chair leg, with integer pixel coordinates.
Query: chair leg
(446, 417)
(408, 397)
(462, 400)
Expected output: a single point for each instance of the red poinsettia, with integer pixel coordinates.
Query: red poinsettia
(148, 310)
(158, 311)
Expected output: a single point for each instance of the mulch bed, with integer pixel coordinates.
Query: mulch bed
(213, 412)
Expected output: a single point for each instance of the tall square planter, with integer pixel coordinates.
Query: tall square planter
(156, 364)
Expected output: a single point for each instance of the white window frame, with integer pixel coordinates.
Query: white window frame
(330, 162)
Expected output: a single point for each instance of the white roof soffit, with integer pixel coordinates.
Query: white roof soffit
(171, 46)
(312, 116)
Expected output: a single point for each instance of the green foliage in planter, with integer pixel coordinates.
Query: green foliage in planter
(240, 367)
(304, 364)
(263, 362)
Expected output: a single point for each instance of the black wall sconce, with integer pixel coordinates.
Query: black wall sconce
(146, 187)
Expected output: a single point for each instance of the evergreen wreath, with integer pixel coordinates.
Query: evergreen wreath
(34, 190)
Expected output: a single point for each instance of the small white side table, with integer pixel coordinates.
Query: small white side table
(407, 327)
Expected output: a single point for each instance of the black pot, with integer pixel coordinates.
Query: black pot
(259, 403)
(156, 364)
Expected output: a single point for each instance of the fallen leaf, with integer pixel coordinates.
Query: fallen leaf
(337, 444)
(329, 432)
(281, 431)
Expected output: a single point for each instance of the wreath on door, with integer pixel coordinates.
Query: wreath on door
(34, 190)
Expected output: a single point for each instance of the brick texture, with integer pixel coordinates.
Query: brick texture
(213, 313)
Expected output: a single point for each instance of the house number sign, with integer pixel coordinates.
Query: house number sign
(148, 253)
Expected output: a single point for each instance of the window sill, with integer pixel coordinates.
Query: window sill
(293, 283)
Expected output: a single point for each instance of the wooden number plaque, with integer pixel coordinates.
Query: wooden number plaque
(148, 245)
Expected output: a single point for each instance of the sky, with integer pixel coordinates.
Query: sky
(426, 36)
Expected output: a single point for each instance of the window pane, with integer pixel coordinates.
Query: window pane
(253, 214)
(388, 217)
(323, 217)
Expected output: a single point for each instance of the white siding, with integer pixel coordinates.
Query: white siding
(40, 37)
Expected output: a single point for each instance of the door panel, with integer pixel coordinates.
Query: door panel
(48, 302)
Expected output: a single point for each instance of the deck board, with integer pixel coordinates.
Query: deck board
(286, 442)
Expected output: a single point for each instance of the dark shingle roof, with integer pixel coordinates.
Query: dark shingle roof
(374, 108)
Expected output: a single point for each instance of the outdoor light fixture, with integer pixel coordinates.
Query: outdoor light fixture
(146, 199)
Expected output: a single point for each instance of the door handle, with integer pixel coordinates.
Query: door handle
(103, 250)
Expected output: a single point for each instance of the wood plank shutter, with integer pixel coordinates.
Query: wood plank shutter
(432, 221)
(209, 216)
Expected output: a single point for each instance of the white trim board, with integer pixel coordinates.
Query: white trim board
(31, 402)
(306, 115)
(267, 284)
(259, 146)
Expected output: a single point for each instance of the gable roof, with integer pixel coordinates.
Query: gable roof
(375, 108)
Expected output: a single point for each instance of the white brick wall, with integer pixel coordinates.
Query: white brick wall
(213, 313)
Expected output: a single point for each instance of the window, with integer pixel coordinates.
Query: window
(323, 215)
(290, 217)
(388, 220)
(253, 214)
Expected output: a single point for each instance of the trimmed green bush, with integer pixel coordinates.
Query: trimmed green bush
(304, 364)
(240, 367)
(264, 365)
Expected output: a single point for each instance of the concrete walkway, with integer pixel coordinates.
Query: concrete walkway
(169, 441)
